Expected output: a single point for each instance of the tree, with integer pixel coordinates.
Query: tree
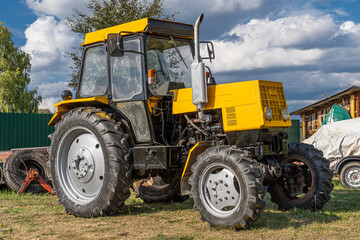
(106, 13)
(14, 77)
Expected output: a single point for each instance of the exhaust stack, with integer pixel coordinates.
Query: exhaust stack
(198, 78)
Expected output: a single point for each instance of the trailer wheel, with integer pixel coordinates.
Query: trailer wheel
(90, 161)
(309, 186)
(350, 175)
(1, 173)
(227, 189)
(19, 163)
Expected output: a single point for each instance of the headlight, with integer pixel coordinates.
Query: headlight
(285, 114)
(268, 113)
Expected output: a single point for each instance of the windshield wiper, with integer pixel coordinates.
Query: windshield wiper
(177, 50)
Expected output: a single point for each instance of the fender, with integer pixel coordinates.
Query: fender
(345, 160)
(199, 148)
(65, 106)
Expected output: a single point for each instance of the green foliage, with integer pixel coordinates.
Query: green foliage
(14, 77)
(106, 13)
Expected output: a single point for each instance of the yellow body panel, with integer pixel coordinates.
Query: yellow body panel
(138, 26)
(101, 35)
(65, 106)
(242, 104)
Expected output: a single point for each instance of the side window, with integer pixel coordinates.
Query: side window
(94, 72)
(126, 72)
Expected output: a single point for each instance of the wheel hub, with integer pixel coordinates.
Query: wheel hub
(353, 176)
(220, 192)
(83, 165)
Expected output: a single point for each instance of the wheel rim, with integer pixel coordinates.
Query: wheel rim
(306, 183)
(353, 177)
(80, 165)
(25, 166)
(220, 190)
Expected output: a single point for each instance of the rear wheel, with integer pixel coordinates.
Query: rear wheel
(227, 188)
(154, 189)
(90, 163)
(308, 186)
(350, 175)
(18, 165)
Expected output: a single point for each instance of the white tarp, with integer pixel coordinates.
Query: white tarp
(337, 140)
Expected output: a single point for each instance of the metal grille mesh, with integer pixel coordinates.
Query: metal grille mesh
(274, 98)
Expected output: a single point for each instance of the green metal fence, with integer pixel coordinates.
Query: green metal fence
(20, 130)
(294, 132)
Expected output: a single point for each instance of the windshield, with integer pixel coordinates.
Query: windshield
(171, 63)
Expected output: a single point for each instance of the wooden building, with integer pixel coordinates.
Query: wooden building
(313, 115)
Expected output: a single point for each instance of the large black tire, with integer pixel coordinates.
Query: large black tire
(350, 175)
(19, 163)
(317, 184)
(226, 176)
(103, 188)
(153, 190)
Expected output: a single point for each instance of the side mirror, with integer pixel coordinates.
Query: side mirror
(115, 45)
(210, 50)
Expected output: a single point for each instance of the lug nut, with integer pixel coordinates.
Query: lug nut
(225, 198)
(228, 192)
(220, 199)
(226, 185)
(221, 181)
(214, 189)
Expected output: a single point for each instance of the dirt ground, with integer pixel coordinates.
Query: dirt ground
(41, 217)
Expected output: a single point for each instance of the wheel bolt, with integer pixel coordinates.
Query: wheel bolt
(215, 196)
(216, 183)
(225, 198)
(214, 189)
(220, 199)
(228, 192)
(221, 181)
(226, 185)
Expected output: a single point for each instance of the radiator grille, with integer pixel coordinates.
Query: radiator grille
(273, 97)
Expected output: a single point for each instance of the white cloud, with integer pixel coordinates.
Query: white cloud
(48, 103)
(47, 40)
(58, 8)
(313, 42)
(52, 89)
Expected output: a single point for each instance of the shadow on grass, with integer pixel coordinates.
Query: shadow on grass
(137, 207)
(342, 201)
(296, 218)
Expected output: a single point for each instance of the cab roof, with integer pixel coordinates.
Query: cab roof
(145, 25)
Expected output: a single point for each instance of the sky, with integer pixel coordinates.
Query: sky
(311, 46)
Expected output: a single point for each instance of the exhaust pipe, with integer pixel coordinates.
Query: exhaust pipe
(198, 78)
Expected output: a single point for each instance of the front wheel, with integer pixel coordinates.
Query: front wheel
(350, 175)
(90, 163)
(227, 188)
(308, 183)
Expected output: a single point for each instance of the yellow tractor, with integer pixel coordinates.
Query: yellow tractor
(149, 115)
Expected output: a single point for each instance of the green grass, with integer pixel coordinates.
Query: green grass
(42, 217)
